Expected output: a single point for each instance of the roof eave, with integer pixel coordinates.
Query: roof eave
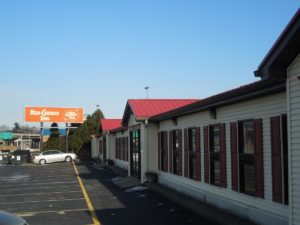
(284, 50)
(225, 99)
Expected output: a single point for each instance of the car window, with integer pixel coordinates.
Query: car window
(56, 152)
(47, 153)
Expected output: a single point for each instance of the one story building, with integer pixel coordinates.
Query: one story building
(238, 150)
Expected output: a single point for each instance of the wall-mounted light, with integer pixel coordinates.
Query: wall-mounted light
(174, 120)
(213, 113)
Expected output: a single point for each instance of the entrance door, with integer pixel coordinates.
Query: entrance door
(135, 153)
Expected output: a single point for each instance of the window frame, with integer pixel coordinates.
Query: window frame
(175, 151)
(214, 156)
(192, 153)
(245, 159)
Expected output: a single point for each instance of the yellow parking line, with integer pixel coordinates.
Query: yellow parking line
(87, 199)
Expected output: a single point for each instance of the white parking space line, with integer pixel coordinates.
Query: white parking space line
(29, 183)
(41, 193)
(54, 200)
(38, 188)
(61, 212)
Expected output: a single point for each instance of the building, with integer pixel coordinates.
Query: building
(238, 150)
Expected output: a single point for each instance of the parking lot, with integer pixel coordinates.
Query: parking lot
(51, 194)
(43, 194)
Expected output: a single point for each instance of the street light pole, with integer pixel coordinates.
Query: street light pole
(146, 88)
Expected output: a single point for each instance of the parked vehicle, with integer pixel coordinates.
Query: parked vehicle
(4, 156)
(51, 156)
(20, 157)
(10, 219)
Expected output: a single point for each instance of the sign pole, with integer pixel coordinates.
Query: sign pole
(41, 139)
(67, 132)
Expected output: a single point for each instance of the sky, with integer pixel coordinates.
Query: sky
(84, 53)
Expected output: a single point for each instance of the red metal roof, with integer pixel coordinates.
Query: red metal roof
(145, 108)
(110, 124)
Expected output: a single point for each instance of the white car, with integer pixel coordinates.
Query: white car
(51, 156)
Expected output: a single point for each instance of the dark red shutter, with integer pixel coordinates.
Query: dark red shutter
(179, 170)
(223, 156)
(276, 159)
(159, 150)
(198, 155)
(166, 153)
(186, 153)
(258, 158)
(234, 156)
(206, 154)
(170, 151)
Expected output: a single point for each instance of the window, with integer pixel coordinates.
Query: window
(122, 148)
(192, 152)
(175, 144)
(246, 157)
(215, 144)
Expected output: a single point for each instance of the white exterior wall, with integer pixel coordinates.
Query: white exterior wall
(110, 146)
(152, 145)
(293, 101)
(262, 211)
(95, 148)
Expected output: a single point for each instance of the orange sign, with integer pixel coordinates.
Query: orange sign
(53, 115)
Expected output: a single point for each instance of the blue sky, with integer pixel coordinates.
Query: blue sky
(83, 53)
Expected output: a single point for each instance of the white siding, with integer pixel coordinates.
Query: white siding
(152, 147)
(110, 146)
(293, 99)
(261, 211)
(95, 148)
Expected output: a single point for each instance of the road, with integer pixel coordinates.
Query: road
(52, 194)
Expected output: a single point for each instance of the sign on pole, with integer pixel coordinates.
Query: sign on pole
(6, 135)
(53, 115)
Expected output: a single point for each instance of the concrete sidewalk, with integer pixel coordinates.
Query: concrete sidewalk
(205, 210)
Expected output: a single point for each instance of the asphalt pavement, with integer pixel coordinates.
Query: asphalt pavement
(52, 194)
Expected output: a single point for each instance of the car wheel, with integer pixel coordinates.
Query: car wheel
(68, 159)
(42, 161)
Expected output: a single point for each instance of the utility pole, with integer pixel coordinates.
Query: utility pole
(146, 88)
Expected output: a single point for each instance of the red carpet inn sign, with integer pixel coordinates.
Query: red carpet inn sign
(53, 114)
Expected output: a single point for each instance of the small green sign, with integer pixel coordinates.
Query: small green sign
(6, 135)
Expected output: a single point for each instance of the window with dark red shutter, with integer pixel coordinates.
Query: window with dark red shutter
(250, 144)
